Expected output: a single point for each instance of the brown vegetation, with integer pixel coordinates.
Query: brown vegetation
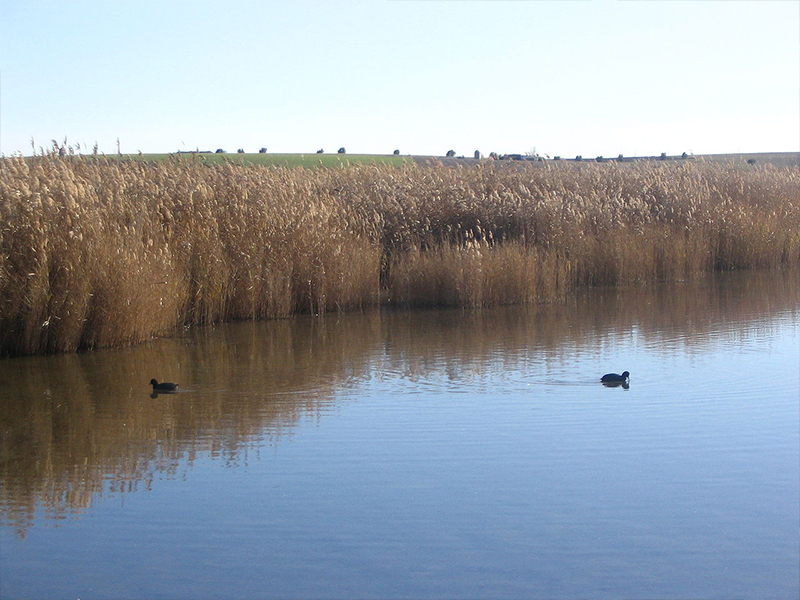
(101, 253)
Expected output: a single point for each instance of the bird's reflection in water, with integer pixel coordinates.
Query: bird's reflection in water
(623, 384)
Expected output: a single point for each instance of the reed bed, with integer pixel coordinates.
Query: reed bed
(103, 253)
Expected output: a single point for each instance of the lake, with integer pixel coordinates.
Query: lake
(420, 454)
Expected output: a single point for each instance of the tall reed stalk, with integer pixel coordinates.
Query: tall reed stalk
(102, 253)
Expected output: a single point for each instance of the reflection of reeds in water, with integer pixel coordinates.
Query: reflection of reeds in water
(77, 425)
(100, 253)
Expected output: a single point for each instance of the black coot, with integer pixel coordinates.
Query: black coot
(163, 387)
(614, 378)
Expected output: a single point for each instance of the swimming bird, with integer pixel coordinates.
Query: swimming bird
(614, 378)
(163, 387)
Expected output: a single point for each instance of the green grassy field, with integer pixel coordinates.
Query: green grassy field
(313, 160)
(276, 160)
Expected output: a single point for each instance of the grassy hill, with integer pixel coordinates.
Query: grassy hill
(278, 160)
(310, 161)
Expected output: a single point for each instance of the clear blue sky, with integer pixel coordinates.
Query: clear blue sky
(594, 77)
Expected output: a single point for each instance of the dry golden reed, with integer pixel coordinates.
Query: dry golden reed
(101, 253)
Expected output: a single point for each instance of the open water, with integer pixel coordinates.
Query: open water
(420, 454)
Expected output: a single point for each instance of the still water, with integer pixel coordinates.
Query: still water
(420, 454)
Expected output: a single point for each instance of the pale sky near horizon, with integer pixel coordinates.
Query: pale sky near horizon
(589, 77)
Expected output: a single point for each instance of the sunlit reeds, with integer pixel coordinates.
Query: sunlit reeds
(101, 253)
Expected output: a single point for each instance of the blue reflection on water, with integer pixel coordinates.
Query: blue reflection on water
(520, 476)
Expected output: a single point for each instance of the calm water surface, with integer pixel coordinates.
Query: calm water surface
(420, 454)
